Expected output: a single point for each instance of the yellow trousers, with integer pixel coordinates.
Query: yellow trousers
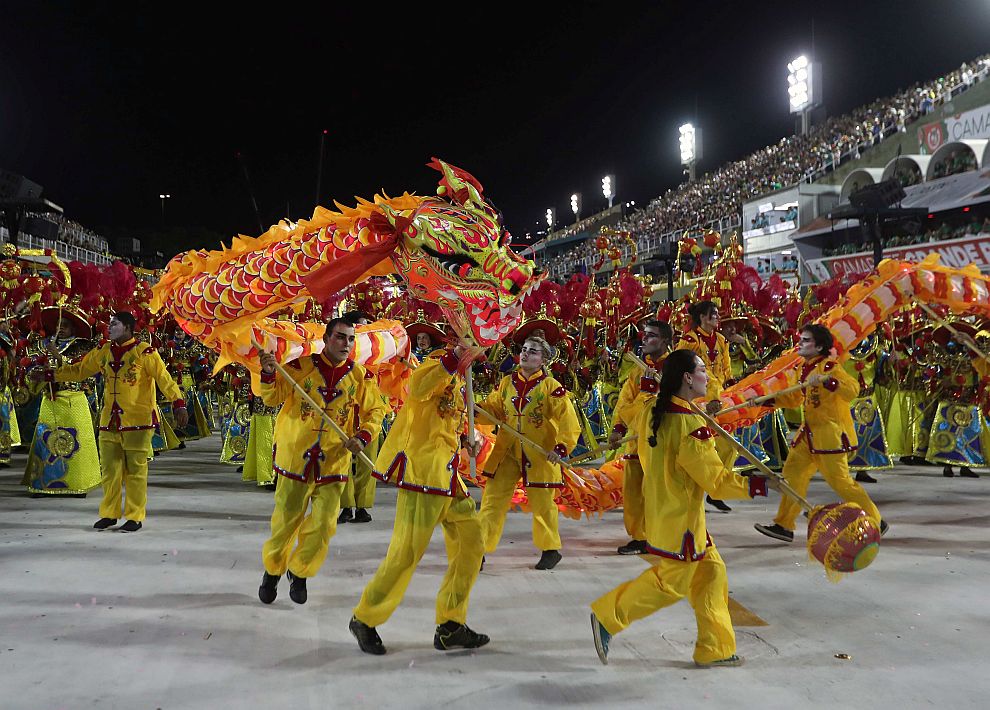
(665, 583)
(290, 520)
(798, 469)
(359, 491)
(633, 504)
(124, 464)
(416, 517)
(495, 506)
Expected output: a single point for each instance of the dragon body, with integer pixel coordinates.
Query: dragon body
(450, 249)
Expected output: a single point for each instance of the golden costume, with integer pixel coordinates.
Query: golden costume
(538, 407)
(637, 395)
(311, 458)
(131, 371)
(679, 471)
(826, 437)
(420, 457)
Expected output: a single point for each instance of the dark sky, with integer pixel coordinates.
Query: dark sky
(107, 105)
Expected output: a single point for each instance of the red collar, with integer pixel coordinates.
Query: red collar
(808, 367)
(118, 350)
(678, 406)
(710, 341)
(332, 374)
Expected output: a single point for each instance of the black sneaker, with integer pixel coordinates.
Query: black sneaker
(967, 472)
(269, 588)
(549, 559)
(602, 637)
(130, 526)
(864, 477)
(367, 637)
(633, 547)
(947, 472)
(361, 515)
(775, 531)
(104, 523)
(884, 527)
(297, 588)
(453, 635)
(717, 504)
(346, 516)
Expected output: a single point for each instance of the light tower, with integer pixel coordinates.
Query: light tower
(690, 144)
(608, 188)
(804, 87)
(551, 219)
(576, 206)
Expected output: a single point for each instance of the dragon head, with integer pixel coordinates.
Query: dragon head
(454, 251)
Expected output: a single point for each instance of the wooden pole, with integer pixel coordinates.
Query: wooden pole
(521, 437)
(785, 487)
(469, 384)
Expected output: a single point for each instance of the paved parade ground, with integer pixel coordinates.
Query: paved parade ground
(169, 617)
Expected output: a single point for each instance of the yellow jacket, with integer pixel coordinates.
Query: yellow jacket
(827, 421)
(423, 445)
(539, 408)
(637, 393)
(305, 446)
(677, 474)
(130, 373)
(713, 349)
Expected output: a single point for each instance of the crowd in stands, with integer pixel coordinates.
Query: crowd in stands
(792, 160)
(958, 161)
(945, 231)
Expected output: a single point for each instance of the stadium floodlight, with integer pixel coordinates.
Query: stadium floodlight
(576, 205)
(804, 83)
(608, 188)
(551, 218)
(687, 144)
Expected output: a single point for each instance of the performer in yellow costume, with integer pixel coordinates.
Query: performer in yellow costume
(536, 405)
(638, 393)
(420, 456)
(131, 370)
(680, 466)
(827, 435)
(706, 342)
(310, 457)
(63, 458)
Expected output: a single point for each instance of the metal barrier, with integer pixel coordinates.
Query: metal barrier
(65, 252)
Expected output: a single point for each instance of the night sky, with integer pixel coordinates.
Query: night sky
(109, 105)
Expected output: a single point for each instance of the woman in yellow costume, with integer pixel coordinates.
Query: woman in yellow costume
(63, 458)
(704, 340)
(537, 406)
(420, 456)
(680, 466)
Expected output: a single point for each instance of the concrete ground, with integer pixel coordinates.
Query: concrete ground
(169, 617)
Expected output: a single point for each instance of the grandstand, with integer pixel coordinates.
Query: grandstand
(770, 194)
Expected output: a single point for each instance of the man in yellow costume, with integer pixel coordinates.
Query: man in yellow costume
(131, 370)
(680, 466)
(536, 405)
(827, 435)
(310, 457)
(638, 393)
(420, 456)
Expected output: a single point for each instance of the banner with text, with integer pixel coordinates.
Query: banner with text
(957, 253)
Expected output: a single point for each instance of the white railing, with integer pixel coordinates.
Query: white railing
(65, 252)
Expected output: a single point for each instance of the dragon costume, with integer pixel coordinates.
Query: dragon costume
(450, 249)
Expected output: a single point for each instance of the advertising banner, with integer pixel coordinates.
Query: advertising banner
(957, 253)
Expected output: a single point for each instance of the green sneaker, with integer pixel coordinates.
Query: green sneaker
(602, 637)
(729, 662)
